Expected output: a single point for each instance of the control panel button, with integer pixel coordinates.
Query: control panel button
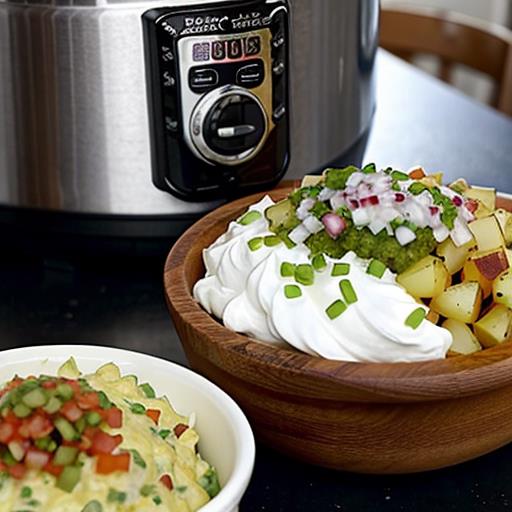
(203, 79)
(279, 112)
(235, 131)
(218, 50)
(278, 40)
(251, 75)
(253, 45)
(235, 49)
(171, 124)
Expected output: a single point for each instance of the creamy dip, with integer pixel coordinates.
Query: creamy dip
(245, 288)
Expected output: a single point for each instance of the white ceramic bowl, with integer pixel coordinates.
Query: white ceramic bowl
(226, 439)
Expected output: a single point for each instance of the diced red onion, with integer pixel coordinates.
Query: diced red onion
(312, 224)
(334, 225)
(355, 179)
(369, 201)
(404, 235)
(460, 234)
(457, 201)
(354, 203)
(399, 197)
(299, 235)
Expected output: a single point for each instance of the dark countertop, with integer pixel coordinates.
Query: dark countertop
(122, 304)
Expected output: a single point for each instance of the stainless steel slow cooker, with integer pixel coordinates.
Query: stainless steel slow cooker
(162, 109)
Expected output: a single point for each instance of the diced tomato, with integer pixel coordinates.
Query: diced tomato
(3, 467)
(11, 418)
(417, 174)
(84, 444)
(23, 429)
(49, 384)
(179, 429)
(88, 401)
(113, 417)
(6, 432)
(167, 481)
(154, 414)
(75, 386)
(71, 411)
(108, 463)
(53, 470)
(17, 471)
(89, 432)
(36, 459)
(40, 426)
(104, 443)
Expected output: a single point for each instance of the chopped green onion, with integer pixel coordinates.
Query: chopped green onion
(249, 218)
(148, 390)
(336, 309)
(26, 492)
(340, 269)
(93, 418)
(80, 424)
(164, 433)
(376, 268)
(137, 458)
(255, 243)
(272, 241)
(210, 483)
(319, 263)
(105, 403)
(417, 188)
(287, 241)
(292, 291)
(147, 490)
(115, 496)
(287, 269)
(348, 292)
(157, 500)
(369, 169)
(137, 408)
(181, 488)
(304, 274)
(399, 176)
(415, 319)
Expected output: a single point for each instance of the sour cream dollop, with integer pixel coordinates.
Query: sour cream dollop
(245, 289)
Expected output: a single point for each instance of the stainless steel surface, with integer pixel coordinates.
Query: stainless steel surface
(74, 130)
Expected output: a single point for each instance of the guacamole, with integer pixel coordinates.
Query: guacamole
(97, 443)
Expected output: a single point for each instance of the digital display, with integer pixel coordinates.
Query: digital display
(231, 49)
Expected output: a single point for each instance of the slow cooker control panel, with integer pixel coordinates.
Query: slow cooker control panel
(218, 96)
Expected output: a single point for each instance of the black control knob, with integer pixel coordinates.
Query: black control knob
(229, 126)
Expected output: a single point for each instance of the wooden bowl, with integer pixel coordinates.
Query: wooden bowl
(362, 417)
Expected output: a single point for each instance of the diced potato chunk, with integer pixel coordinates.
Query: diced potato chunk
(505, 221)
(464, 341)
(485, 196)
(425, 279)
(453, 257)
(470, 272)
(491, 264)
(461, 302)
(502, 289)
(487, 233)
(311, 180)
(495, 327)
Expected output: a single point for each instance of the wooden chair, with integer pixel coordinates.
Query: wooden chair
(454, 39)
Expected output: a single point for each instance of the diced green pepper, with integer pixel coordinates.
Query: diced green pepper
(336, 309)
(210, 482)
(249, 218)
(376, 268)
(69, 477)
(66, 430)
(304, 274)
(93, 418)
(35, 398)
(105, 403)
(137, 458)
(348, 292)
(417, 188)
(64, 391)
(53, 405)
(137, 408)
(147, 490)
(292, 291)
(369, 169)
(399, 176)
(22, 411)
(115, 496)
(26, 492)
(65, 455)
(415, 319)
